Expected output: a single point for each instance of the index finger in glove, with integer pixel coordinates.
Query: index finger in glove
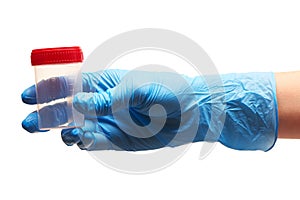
(48, 90)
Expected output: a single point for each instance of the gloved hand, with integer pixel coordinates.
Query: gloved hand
(137, 110)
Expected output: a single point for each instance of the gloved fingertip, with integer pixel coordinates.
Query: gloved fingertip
(71, 136)
(28, 126)
(77, 101)
(29, 95)
(86, 141)
(92, 141)
(93, 103)
(82, 102)
(81, 146)
(30, 123)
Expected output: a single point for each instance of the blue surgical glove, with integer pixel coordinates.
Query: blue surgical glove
(138, 110)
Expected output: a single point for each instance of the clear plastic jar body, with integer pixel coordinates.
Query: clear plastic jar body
(56, 85)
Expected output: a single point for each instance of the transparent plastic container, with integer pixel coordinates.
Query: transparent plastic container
(58, 79)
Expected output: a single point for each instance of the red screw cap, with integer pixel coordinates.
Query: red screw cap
(58, 55)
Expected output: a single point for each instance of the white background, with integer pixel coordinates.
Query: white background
(239, 36)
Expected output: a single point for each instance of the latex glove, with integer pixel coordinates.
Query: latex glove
(118, 115)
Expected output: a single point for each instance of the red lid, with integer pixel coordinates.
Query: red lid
(59, 55)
